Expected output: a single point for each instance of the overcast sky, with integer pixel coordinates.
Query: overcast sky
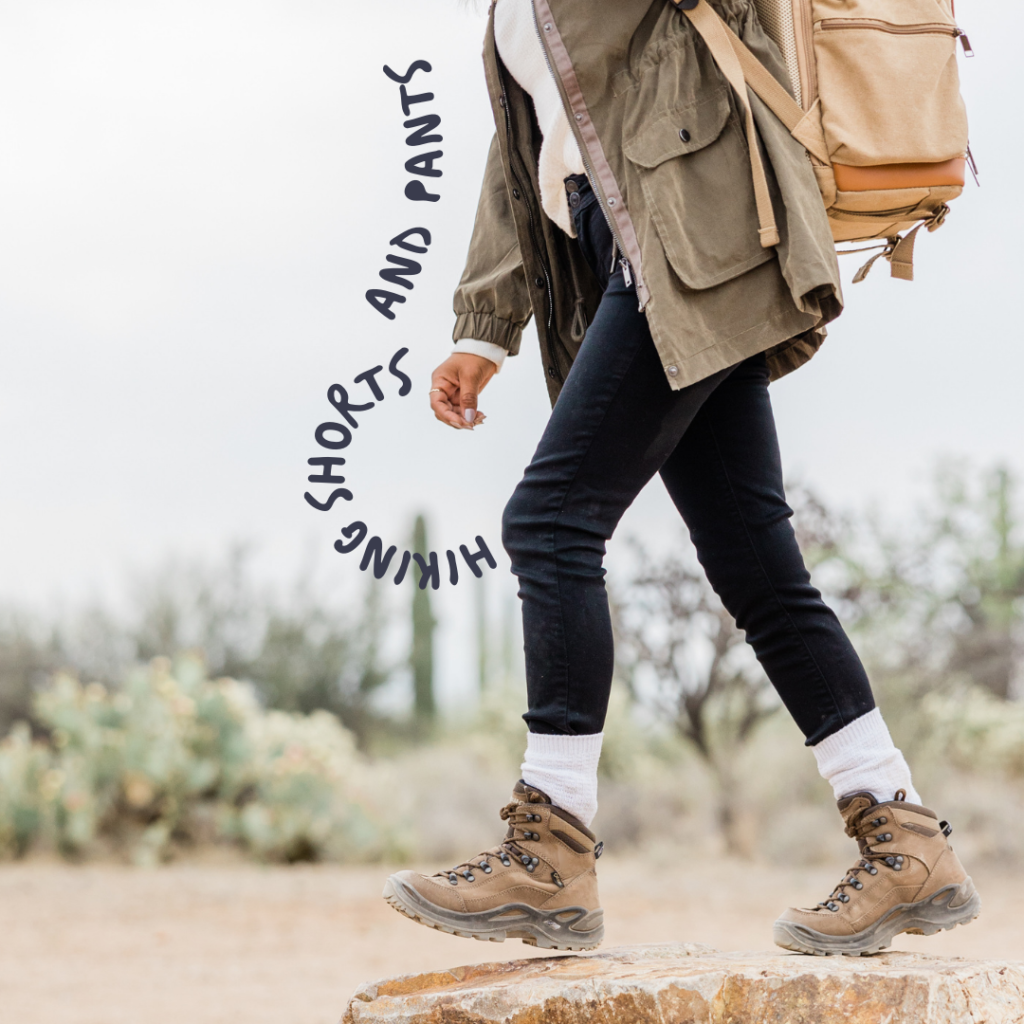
(194, 197)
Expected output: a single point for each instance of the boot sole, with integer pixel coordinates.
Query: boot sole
(568, 928)
(943, 910)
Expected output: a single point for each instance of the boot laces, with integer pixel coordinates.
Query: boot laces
(519, 817)
(866, 831)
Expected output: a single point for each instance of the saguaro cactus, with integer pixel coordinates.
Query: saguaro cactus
(421, 657)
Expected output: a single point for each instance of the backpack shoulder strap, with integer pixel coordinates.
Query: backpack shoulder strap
(716, 35)
(742, 68)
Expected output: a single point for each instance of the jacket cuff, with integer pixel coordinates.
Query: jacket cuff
(488, 327)
(487, 349)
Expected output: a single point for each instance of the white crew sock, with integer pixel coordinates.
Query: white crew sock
(565, 768)
(861, 758)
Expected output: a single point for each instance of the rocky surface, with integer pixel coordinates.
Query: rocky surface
(693, 984)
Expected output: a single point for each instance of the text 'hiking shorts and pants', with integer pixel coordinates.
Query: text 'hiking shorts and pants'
(615, 424)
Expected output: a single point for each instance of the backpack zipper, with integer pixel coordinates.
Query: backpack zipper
(972, 165)
(964, 42)
(931, 28)
(925, 29)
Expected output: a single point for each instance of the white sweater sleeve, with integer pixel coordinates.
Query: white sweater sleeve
(487, 349)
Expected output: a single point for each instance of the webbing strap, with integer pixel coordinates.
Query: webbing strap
(901, 262)
(715, 34)
(805, 127)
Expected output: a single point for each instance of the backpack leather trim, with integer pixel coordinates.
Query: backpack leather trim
(890, 176)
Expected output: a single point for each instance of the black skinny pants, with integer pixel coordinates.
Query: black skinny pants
(616, 423)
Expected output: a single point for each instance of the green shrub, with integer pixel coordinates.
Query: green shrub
(173, 757)
(28, 784)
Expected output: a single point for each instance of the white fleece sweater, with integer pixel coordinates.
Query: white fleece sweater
(520, 48)
(521, 51)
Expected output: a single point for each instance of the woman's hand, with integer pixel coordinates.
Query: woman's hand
(459, 381)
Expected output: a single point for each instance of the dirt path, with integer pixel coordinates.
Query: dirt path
(195, 944)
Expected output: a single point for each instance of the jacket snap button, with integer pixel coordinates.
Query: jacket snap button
(579, 117)
(501, 101)
(673, 371)
(551, 371)
(515, 193)
(574, 199)
(611, 202)
(684, 135)
(539, 282)
(547, 27)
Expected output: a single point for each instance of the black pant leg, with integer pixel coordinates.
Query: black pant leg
(725, 477)
(615, 422)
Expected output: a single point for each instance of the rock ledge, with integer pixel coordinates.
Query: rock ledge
(693, 984)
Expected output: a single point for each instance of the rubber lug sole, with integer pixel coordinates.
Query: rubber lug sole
(573, 929)
(942, 911)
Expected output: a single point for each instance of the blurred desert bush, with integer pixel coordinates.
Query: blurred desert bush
(229, 719)
(172, 757)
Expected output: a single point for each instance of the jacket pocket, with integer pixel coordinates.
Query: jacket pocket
(694, 169)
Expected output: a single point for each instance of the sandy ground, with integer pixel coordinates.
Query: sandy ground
(206, 944)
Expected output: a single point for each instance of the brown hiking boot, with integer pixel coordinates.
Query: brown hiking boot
(908, 880)
(539, 885)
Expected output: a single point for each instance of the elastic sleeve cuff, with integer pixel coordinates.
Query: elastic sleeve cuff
(487, 349)
(490, 328)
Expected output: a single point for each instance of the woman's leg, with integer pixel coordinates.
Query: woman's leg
(725, 477)
(615, 422)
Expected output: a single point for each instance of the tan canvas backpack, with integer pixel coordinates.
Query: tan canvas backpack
(878, 109)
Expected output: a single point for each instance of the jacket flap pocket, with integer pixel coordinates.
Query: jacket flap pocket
(680, 131)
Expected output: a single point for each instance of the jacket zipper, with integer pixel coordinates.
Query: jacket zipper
(529, 207)
(591, 175)
(932, 28)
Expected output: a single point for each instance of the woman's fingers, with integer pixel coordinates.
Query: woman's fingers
(474, 373)
(455, 387)
(444, 400)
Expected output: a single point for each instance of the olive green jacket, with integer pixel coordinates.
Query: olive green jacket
(663, 139)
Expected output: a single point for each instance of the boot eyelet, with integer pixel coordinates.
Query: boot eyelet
(486, 868)
(858, 885)
(872, 871)
(453, 879)
(535, 861)
(529, 867)
(899, 860)
(468, 876)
